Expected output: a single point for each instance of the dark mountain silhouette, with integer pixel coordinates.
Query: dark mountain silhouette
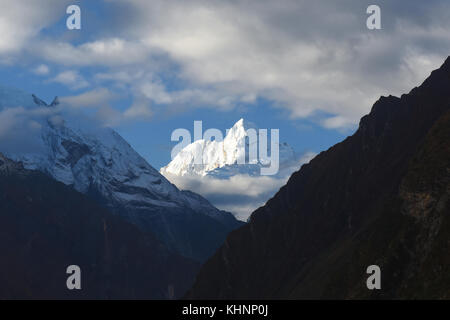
(380, 197)
(45, 226)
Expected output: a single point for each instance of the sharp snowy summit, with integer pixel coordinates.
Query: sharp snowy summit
(229, 172)
(224, 158)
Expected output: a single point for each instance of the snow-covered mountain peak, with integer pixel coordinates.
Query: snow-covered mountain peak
(239, 129)
(81, 154)
(98, 162)
(203, 157)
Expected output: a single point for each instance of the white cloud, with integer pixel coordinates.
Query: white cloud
(41, 70)
(21, 21)
(110, 52)
(94, 98)
(8, 119)
(100, 100)
(308, 57)
(121, 76)
(20, 129)
(336, 122)
(240, 194)
(156, 92)
(71, 79)
(149, 89)
(138, 110)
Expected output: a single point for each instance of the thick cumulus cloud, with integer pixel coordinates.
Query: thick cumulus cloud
(306, 56)
(311, 58)
(22, 21)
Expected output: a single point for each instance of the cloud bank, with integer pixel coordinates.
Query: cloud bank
(308, 58)
(240, 194)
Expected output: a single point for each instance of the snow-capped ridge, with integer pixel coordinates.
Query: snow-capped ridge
(84, 156)
(230, 155)
(98, 162)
